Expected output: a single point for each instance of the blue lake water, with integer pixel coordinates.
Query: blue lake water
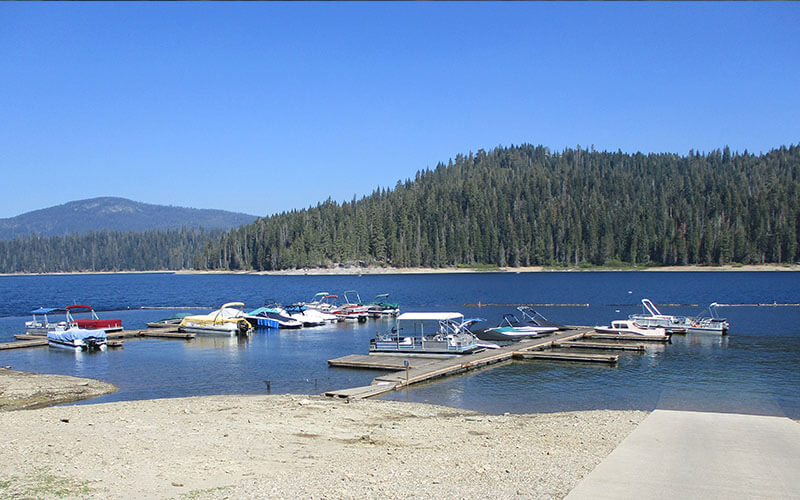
(752, 370)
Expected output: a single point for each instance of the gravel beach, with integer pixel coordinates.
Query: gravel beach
(292, 446)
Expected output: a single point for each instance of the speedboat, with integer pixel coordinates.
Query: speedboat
(92, 322)
(629, 327)
(309, 317)
(427, 333)
(227, 320)
(77, 339)
(272, 316)
(41, 325)
(353, 308)
(380, 307)
(513, 329)
(534, 318)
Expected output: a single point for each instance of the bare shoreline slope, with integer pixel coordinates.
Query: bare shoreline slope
(355, 270)
(293, 446)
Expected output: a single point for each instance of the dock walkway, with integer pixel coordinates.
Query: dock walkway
(684, 454)
(423, 369)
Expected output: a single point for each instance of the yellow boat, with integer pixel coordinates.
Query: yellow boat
(227, 320)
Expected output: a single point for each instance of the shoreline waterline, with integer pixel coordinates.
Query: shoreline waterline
(355, 271)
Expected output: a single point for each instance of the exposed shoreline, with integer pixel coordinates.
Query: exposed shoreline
(345, 271)
(292, 446)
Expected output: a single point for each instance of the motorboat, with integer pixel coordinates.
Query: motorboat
(173, 320)
(325, 302)
(272, 315)
(40, 324)
(77, 339)
(709, 324)
(510, 328)
(227, 320)
(92, 322)
(653, 318)
(427, 333)
(380, 307)
(309, 317)
(353, 308)
(629, 327)
(534, 318)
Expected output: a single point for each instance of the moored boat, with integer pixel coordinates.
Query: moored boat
(227, 320)
(272, 316)
(652, 317)
(77, 339)
(381, 307)
(353, 308)
(93, 322)
(629, 327)
(511, 329)
(427, 333)
(40, 324)
(309, 317)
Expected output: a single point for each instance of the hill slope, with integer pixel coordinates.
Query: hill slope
(116, 214)
(523, 205)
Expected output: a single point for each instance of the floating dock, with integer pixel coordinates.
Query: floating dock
(421, 369)
(24, 340)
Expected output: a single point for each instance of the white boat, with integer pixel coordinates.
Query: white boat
(77, 339)
(629, 327)
(428, 333)
(381, 307)
(227, 320)
(309, 317)
(272, 315)
(513, 329)
(40, 324)
(653, 318)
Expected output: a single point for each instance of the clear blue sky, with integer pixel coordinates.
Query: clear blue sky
(266, 107)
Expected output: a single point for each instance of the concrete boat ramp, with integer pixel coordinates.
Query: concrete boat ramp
(421, 368)
(683, 454)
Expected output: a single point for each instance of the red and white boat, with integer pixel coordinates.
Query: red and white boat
(92, 322)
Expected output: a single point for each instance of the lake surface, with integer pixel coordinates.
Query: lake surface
(752, 370)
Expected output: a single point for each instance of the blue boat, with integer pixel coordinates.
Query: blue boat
(77, 339)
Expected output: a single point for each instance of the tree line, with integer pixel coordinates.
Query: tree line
(105, 251)
(523, 206)
(511, 206)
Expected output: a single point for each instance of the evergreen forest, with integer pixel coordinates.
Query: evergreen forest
(525, 206)
(512, 206)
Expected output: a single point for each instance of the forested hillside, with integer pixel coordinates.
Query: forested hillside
(104, 251)
(521, 206)
(515, 206)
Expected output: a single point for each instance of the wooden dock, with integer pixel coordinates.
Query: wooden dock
(24, 340)
(421, 369)
(601, 345)
(567, 356)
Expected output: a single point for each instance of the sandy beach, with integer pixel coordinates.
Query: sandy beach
(293, 446)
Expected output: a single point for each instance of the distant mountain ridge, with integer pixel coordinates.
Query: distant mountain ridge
(116, 214)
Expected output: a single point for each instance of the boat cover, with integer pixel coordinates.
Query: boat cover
(73, 334)
(45, 310)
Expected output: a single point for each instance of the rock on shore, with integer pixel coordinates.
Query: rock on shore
(293, 446)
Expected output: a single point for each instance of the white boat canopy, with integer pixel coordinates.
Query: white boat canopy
(429, 316)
